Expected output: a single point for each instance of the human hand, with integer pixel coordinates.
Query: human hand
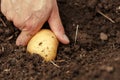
(29, 16)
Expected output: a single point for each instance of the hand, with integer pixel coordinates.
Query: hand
(29, 16)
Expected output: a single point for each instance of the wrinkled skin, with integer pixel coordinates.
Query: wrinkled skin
(29, 16)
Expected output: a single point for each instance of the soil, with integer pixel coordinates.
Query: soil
(93, 27)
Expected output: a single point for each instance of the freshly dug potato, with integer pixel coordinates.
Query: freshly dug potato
(45, 44)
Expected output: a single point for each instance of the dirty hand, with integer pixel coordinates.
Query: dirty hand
(29, 16)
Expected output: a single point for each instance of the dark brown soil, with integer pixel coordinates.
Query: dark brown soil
(94, 55)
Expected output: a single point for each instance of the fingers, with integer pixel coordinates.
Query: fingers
(23, 38)
(57, 27)
(32, 26)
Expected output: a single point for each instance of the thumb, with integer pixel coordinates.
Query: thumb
(32, 26)
(57, 27)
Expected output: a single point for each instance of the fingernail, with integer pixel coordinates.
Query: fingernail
(66, 38)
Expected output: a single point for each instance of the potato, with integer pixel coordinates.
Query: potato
(45, 44)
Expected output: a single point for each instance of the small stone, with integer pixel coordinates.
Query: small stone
(103, 36)
(107, 68)
(118, 9)
(6, 70)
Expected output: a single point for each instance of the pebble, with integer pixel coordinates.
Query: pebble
(103, 36)
(107, 68)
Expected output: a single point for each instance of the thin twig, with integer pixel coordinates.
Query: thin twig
(105, 16)
(55, 64)
(9, 38)
(76, 34)
(3, 22)
(2, 48)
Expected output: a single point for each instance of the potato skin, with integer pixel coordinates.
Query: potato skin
(45, 44)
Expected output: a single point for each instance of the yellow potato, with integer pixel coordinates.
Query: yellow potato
(45, 44)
